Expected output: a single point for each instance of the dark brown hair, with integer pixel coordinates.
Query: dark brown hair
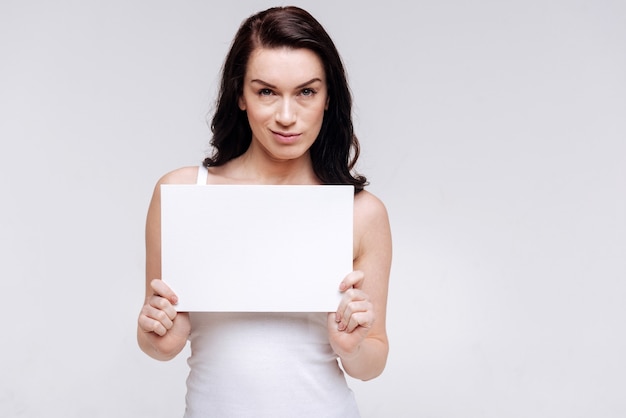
(336, 149)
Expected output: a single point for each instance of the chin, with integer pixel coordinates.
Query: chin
(289, 154)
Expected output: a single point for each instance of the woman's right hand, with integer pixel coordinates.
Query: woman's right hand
(165, 329)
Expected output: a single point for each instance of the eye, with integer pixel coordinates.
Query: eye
(307, 92)
(265, 92)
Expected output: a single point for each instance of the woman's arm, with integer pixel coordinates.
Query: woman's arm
(162, 332)
(357, 331)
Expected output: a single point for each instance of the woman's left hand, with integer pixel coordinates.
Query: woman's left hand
(350, 325)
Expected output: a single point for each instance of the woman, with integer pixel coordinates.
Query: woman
(283, 117)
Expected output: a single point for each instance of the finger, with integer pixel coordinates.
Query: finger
(163, 305)
(160, 288)
(160, 315)
(352, 309)
(148, 324)
(359, 319)
(351, 295)
(354, 279)
(363, 319)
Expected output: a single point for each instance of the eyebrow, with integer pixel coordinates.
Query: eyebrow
(265, 83)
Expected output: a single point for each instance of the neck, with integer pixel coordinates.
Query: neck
(267, 170)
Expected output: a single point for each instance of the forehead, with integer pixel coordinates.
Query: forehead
(284, 65)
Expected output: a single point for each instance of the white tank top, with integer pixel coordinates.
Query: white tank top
(257, 365)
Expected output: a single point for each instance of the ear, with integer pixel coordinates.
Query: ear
(242, 103)
(327, 101)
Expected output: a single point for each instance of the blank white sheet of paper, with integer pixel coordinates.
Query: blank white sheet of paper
(256, 248)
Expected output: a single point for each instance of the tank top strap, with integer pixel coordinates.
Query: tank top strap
(203, 175)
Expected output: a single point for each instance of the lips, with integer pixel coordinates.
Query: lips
(286, 137)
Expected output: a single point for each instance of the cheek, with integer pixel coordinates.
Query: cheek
(317, 114)
(257, 115)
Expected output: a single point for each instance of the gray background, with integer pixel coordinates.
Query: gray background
(495, 132)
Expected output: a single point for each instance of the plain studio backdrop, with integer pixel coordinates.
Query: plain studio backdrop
(495, 132)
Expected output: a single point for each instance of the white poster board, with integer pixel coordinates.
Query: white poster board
(256, 248)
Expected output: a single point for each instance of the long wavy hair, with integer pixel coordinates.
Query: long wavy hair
(336, 148)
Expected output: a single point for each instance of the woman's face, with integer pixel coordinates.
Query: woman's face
(284, 96)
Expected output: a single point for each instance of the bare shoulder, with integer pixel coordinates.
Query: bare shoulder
(372, 232)
(183, 175)
(368, 208)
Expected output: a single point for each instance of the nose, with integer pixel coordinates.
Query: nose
(286, 112)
